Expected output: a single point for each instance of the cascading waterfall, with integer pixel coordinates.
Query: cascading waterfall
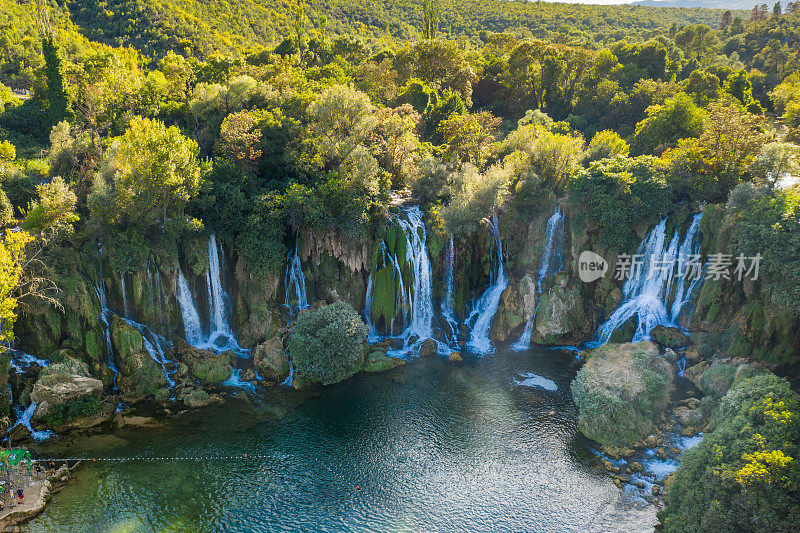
(648, 290)
(154, 344)
(372, 333)
(220, 333)
(486, 306)
(551, 262)
(447, 299)
(192, 329)
(418, 298)
(125, 308)
(100, 291)
(24, 419)
(417, 255)
(294, 282)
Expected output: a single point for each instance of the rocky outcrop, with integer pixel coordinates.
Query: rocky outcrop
(269, 358)
(207, 366)
(510, 314)
(622, 392)
(563, 316)
(66, 396)
(669, 337)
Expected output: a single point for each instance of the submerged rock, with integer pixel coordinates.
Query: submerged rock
(455, 357)
(622, 392)
(378, 361)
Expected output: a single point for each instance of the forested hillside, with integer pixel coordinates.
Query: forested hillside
(202, 28)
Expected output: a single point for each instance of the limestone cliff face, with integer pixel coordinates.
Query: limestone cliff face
(339, 266)
(737, 318)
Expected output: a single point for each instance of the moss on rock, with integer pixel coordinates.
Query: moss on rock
(621, 393)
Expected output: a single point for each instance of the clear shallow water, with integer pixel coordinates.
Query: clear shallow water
(429, 447)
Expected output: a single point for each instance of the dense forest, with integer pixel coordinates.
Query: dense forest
(145, 126)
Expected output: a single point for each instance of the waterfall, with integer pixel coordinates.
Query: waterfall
(217, 299)
(421, 302)
(24, 419)
(447, 299)
(21, 361)
(296, 280)
(100, 291)
(154, 344)
(486, 306)
(192, 329)
(552, 258)
(125, 309)
(372, 334)
(220, 336)
(648, 289)
(416, 300)
(552, 261)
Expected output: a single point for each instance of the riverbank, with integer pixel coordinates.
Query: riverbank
(37, 486)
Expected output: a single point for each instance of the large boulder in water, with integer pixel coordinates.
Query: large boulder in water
(622, 392)
(563, 316)
(376, 360)
(64, 392)
(205, 365)
(270, 359)
(669, 337)
(428, 348)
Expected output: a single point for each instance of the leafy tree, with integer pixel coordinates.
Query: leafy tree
(742, 476)
(56, 101)
(12, 258)
(678, 118)
(326, 344)
(619, 193)
(704, 86)
(605, 144)
(148, 176)
(699, 42)
(733, 137)
(342, 118)
(469, 138)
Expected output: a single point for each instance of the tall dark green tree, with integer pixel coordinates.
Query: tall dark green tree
(56, 104)
(430, 19)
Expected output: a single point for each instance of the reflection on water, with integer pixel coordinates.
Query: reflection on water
(428, 447)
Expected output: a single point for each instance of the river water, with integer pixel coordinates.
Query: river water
(491, 445)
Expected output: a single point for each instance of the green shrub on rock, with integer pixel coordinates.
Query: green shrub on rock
(326, 345)
(621, 392)
(744, 476)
